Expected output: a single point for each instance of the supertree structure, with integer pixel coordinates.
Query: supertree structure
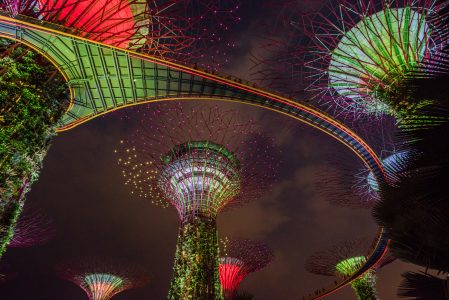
(343, 260)
(200, 161)
(240, 258)
(362, 51)
(185, 30)
(354, 185)
(170, 29)
(279, 61)
(34, 96)
(423, 286)
(102, 278)
(33, 228)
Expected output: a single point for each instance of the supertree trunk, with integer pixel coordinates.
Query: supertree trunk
(365, 287)
(32, 99)
(195, 271)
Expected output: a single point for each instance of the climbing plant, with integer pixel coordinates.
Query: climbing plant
(33, 97)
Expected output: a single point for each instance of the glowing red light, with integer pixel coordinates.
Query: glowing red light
(230, 276)
(107, 21)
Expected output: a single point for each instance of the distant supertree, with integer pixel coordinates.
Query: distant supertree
(362, 51)
(353, 185)
(240, 258)
(102, 278)
(33, 228)
(343, 260)
(422, 286)
(200, 161)
(186, 30)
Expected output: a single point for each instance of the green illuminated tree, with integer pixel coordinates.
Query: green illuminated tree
(342, 261)
(33, 97)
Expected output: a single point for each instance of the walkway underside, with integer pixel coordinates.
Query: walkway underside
(103, 78)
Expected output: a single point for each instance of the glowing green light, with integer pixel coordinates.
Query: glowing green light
(200, 178)
(364, 286)
(103, 286)
(374, 56)
(349, 266)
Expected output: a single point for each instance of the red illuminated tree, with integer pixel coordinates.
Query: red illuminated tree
(240, 258)
(182, 30)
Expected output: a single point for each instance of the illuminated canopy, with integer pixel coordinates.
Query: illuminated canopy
(103, 286)
(108, 21)
(376, 53)
(348, 266)
(393, 161)
(232, 272)
(200, 177)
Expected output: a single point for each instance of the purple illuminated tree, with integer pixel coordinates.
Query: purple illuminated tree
(33, 228)
(101, 279)
(240, 258)
(200, 161)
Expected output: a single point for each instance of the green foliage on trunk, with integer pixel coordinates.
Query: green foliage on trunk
(33, 97)
(365, 286)
(195, 271)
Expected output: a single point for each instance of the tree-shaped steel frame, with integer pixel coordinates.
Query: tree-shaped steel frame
(239, 258)
(179, 30)
(361, 50)
(103, 78)
(199, 160)
(102, 278)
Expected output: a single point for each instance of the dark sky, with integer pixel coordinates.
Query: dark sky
(81, 188)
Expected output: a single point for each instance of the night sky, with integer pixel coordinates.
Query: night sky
(81, 188)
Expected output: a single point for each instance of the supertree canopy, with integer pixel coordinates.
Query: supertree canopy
(33, 228)
(344, 260)
(363, 50)
(240, 258)
(346, 184)
(102, 279)
(200, 161)
(185, 30)
(396, 161)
